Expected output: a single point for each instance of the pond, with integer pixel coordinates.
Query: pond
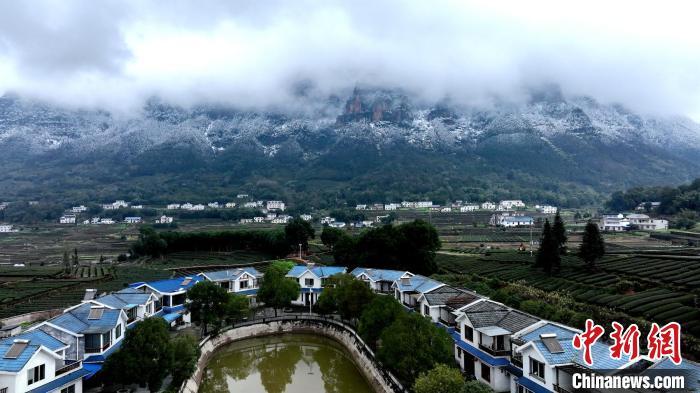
(290, 363)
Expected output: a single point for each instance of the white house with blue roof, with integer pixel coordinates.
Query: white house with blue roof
(172, 296)
(410, 287)
(549, 358)
(35, 362)
(242, 281)
(91, 332)
(379, 280)
(137, 305)
(311, 281)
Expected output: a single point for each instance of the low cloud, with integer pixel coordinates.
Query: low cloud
(255, 54)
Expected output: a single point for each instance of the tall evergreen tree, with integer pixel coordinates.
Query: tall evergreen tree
(560, 233)
(592, 246)
(548, 257)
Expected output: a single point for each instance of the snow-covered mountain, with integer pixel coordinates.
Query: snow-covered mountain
(602, 146)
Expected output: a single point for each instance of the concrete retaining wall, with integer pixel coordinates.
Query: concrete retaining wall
(380, 380)
(30, 317)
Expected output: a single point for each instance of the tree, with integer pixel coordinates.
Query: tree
(592, 245)
(441, 379)
(559, 231)
(380, 313)
(475, 386)
(150, 243)
(330, 236)
(145, 356)
(74, 257)
(429, 345)
(345, 294)
(66, 262)
(548, 257)
(208, 304)
(185, 353)
(237, 307)
(276, 290)
(299, 231)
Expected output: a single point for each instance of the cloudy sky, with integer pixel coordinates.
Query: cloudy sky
(257, 53)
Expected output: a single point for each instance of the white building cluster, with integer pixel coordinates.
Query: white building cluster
(634, 221)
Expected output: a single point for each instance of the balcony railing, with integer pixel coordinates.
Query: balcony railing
(494, 351)
(517, 361)
(68, 367)
(560, 389)
(97, 349)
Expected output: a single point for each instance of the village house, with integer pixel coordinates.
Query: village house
(416, 205)
(614, 223)
(258, 219)
(132, 220)
(213, 205)
(337, 224)
(648, 206)
(546, 209)
(275, 205)
(360, 207)
(646, 223)
(230, 205)
(137, 207)
(376, 207)
(241, 196)
(91, 332)
(306, 217)
(488, 206)
(483, 341)
(35, 362)
(410, 287)
(5, 228)
(118, 204)
(187, 206)
(282, 219)
(391, 206)
(197, 207)
(79, 209)
(327, 220)
(137, 305)
(445, 210)
(510, 220)
(246, 221)
(242, 281)
(311, 281)
(440, 304)
(106, 221)
(378, 280)
(164, 220)
(511, 204)
(173, 206)
(468, 208)
(171, 295)
(67, 219)
(250, 205)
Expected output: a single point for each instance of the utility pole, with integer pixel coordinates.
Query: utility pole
(531, 224)
(299, 250)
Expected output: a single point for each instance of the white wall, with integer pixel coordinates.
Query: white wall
(20, 379)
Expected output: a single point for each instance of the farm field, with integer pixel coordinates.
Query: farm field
(657, 289)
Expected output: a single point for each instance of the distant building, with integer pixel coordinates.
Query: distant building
(250, 205)
(197, 207)
(79, 209)
(614, 223)
(376, 206)
(132, 220)
(306, 217)
(67, 219)
(488, 206)
(5, 228)
(327, 220)
(164, 220)
(416, 205)
(173, 206)
(246, 221)
(468, 208)
(445, 210)
(391, 206)
(275, 205)
(547, 209)
(507, 220)
(213, 205)
(230, 205)
(651, 205)
(259, 219)
(337, 224)
(137, 207)
(282, 219)
(646, 223)
(511, 204)
(360, 207)
(241, 196)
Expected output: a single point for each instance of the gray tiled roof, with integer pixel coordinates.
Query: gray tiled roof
(450, 296)
(488, 313)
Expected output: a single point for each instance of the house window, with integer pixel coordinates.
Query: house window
(426, 309)
(106, 340)
(68, 389)
(92, 343)
(485, 372)
(309, 282)
(243, 284)
(499, 345)
(36, 374)
(523, 389)
(468, 333)
(118, 331)
(537, 369)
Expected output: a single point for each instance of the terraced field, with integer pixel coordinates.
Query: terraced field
(667, 288)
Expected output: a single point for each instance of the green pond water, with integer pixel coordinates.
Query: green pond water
(291, 363)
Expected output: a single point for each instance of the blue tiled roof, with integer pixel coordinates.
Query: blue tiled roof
(171, 317)
(231, 274)
(483, 356)
(40, 337)
(319, 271)
(532, 385)
(310, 290)
(378, 274)
(419, 283)
(169, 286)
(600, 351)
(126, 298)
(691, 370)
(76, 320)
(63, 380)
(253, 291)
